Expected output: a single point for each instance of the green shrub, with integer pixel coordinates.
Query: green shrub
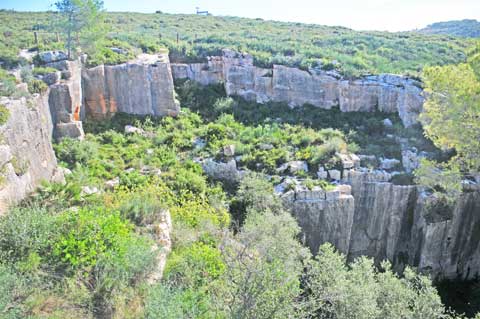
(174, 302)
(27, 231)
(88, 235)
(12, 289)
(43, 70)
(37, 86)
(194, 266)
(4, 114)
(72, 151)
(7, 83)
(381, 294)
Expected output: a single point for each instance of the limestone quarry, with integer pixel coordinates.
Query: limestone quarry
(366, 214)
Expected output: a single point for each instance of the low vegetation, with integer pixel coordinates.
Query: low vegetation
(350, 52)
(460, 28)
(88, 248)
(83, 250)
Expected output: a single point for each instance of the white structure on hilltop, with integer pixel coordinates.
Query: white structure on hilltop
(202, 13)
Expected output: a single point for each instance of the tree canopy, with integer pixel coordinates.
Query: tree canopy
(451, 119)
(80, 18)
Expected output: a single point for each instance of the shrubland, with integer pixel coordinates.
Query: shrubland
(236, 253)
(295, 44)
(85, 249)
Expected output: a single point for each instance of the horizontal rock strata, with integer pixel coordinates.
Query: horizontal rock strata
(324, 89)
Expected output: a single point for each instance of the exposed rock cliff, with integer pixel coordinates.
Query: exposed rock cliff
(331, 212)
(386, 92)
(26, 154)
(65, 100)
(388, 221)
(141, 87)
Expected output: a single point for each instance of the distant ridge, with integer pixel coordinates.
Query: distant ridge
(467, 28)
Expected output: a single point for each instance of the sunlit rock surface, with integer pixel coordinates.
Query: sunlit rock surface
(141, 87)
(26, 153)
(324, 89)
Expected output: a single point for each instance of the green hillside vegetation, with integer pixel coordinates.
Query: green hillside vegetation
(66, 253)
(461, 28)
(294, 44)
(88, 248)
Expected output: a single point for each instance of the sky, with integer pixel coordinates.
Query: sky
(382, 15)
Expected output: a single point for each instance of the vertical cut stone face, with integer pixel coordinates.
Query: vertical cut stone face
(450, 247)
(139, 87)
(324, 89)
(26, 153)
(323, 218)
(65, 101)
(393, 222)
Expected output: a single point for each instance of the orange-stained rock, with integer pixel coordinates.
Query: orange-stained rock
(142, 87)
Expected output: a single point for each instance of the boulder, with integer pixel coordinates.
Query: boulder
(410, 160)
(73, 129)
(335, 174)
(297, 166)
(322, 173)
(148, 170)
(387, 123)
(161, 230)
(52, 56)
(389, 163)
(130, 129)
(266, 147)
(229, 150)
(221, 171)
(89, 190)
(111, 184)
(51, 78)
(119, 51)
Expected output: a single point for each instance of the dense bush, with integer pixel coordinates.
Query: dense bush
(360, 290)
(37, 86)
(269, 42)
(235, 251)
(4, 114)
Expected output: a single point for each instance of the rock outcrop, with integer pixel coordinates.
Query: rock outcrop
(394, 222)
(26, 153)
(140, 87)
(161, 231)
(331, 212)
(324, 89)
(65, 100)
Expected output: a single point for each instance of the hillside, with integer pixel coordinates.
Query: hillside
(459, 28)
(168, 166)
(294, 44)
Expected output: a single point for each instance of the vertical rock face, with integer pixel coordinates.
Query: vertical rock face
(392, 222)
(65, 100)
(449, 246)
(141, 87)
(324, 89)
(205, 74)
(331, 212)
(383, 217)
(26, 154)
